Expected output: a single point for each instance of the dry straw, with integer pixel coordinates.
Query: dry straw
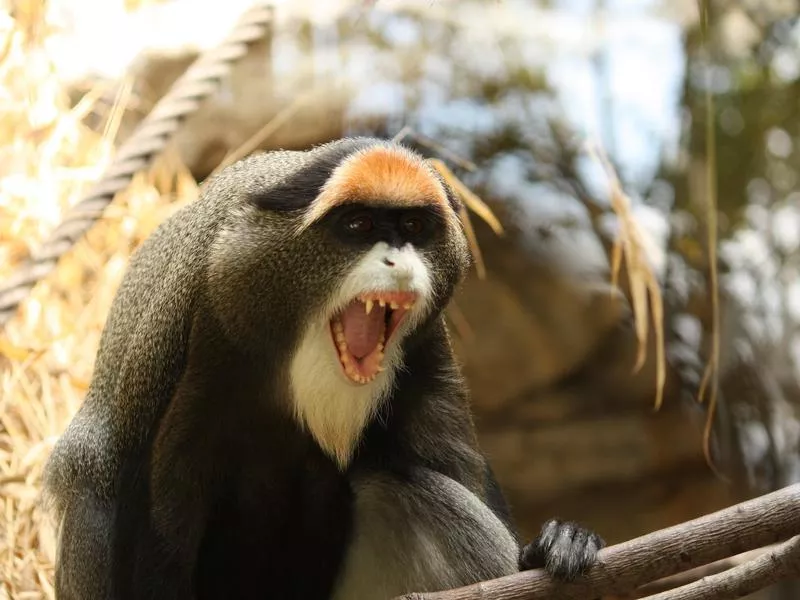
(48, 159)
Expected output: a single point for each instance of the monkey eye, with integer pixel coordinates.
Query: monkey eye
(413, 225)
(359, 224)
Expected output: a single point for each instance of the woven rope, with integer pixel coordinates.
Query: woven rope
(185, 96)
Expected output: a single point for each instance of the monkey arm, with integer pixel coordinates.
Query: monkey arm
(84, 550)
(564, 548)
(422, 531)
(185, 467)
(141, 542)
(440, 436)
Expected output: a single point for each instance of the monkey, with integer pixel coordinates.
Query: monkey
(276, 410)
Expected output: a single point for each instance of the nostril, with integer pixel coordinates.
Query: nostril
(388, 262)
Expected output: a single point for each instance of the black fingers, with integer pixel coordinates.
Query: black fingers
(565, 550)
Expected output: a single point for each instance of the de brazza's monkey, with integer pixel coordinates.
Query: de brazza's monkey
(276, 411)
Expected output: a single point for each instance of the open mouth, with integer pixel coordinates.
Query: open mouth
(363, 329)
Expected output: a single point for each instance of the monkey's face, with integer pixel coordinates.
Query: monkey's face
(391, 223)
(332, 270)
(389, 287)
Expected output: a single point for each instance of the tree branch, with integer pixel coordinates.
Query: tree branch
(620, 569)
(692, 575)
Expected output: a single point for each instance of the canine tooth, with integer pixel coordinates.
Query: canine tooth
(382, 302)
(408, 305)
(368, 305)
(394, 305)
(381, 369)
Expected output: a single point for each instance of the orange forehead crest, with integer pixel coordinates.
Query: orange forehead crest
(379, 175)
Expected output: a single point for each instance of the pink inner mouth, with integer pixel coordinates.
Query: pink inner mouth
(362, 330)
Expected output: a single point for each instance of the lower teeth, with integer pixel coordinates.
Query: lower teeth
(341, 344)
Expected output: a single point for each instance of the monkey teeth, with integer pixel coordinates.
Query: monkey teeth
(362, 330)
(392, 300)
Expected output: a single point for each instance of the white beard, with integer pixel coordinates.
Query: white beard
(332, 408)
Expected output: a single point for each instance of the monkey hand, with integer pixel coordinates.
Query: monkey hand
(565, 550)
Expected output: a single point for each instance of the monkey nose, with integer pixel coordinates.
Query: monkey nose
(399, 265)
(399, 269)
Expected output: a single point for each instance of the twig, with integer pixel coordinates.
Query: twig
(424, 140)
(781, 563)
(710, 381)
(477, 205)
(622, 568)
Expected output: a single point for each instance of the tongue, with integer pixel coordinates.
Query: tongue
(361, 330)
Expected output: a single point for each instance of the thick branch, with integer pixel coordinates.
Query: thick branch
(622, 568)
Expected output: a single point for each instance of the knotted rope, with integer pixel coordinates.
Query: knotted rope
(151, 136)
